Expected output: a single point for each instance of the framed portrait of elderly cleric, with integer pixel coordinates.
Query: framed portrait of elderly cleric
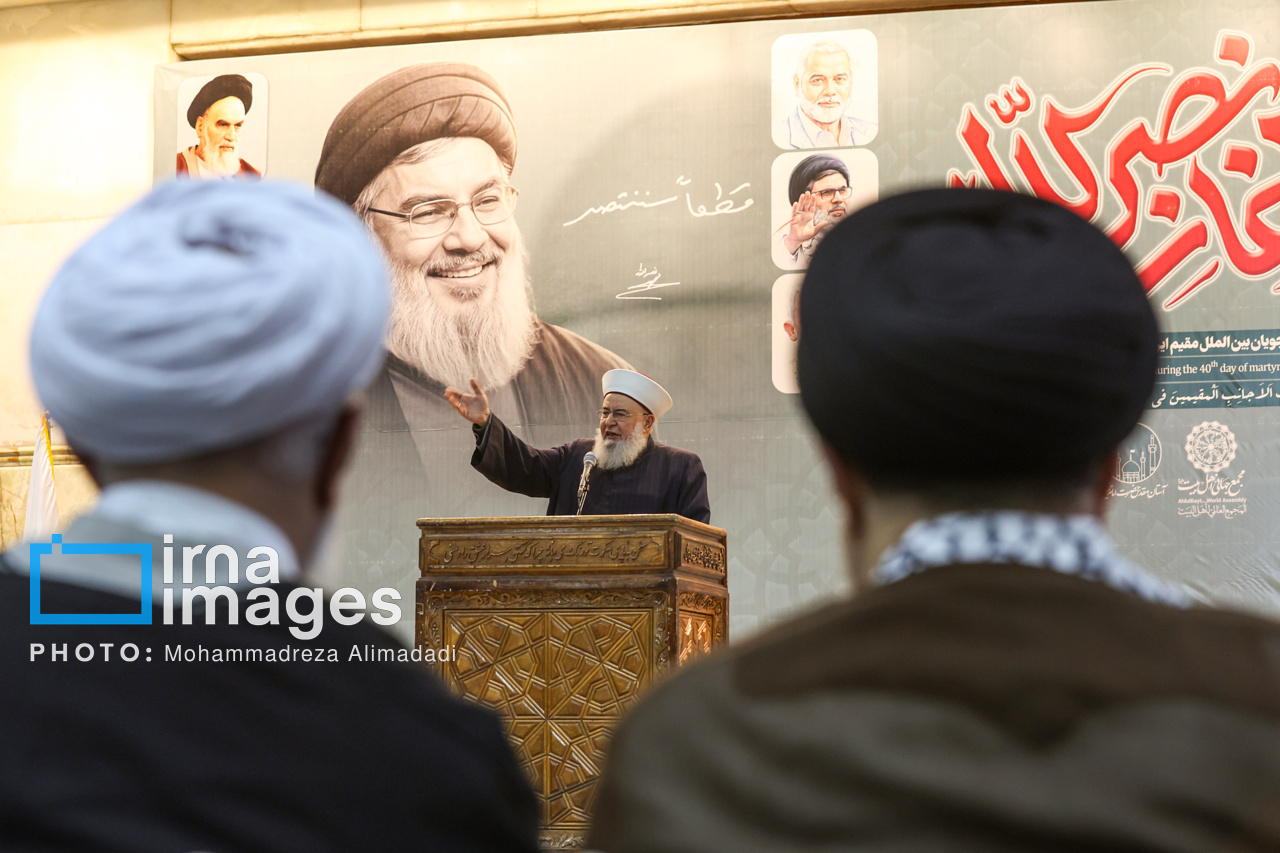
(565, 204)
(222, 127)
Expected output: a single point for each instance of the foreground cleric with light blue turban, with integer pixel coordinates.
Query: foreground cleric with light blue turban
(206, 316)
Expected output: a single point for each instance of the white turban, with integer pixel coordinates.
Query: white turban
(638, 387)
(208, 315)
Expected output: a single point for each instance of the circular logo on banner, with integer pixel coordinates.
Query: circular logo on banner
(1139, 456)
(1211, 447)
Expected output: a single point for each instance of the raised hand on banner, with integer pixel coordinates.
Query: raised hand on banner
(474, 407)
(807, 219)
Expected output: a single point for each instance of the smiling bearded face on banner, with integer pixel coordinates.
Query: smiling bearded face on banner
(462, 300)
(424, 155)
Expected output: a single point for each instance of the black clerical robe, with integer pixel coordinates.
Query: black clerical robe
(223, 737)
(411, 457)
(663, 479)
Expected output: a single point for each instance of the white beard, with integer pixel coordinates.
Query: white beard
(487, 339)
(220, 163)
(619, 452)
(822, 115)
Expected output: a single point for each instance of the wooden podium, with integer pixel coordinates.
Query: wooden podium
(560, 623)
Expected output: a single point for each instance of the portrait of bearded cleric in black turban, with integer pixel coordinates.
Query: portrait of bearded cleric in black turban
(425, 155)
(228, 144)
(813, 192)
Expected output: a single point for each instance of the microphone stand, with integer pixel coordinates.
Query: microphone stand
(584, 485)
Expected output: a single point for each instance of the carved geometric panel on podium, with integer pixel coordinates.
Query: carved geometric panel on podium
(575, 757)
(528, 737)
(500, 659)
(695, 636)
(561, 675)
(702, 624)
(598, 660)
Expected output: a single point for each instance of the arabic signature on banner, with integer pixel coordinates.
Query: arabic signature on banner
(627, 200)
(1201, 218)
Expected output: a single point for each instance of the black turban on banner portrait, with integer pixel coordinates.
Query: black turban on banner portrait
(970, 335)
(409, 106)
(223, 86)
(811, 169)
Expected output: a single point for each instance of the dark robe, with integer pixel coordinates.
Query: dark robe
(558, 385)
(978, 707)
(662, 479)
(163, 754)
(411, 457)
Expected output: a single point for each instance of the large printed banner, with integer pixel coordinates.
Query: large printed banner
(651, 198)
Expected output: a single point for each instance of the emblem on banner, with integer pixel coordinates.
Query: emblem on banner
(1211, 447)
(1139, 456)
(1137, 460)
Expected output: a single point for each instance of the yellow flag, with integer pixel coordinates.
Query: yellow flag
(42, 502)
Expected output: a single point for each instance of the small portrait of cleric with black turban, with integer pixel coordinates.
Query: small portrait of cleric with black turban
(425, 155)
(218, 113)
(811, 193)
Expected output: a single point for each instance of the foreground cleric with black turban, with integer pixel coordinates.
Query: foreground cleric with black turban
(1025, 354)
(201, 352)
(462, 306)
(1002, 679)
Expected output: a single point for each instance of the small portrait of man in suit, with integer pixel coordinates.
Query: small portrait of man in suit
(824, 90)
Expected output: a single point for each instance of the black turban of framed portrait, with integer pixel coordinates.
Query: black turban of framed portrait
(406, 107)
(812, 168)
(224, 86)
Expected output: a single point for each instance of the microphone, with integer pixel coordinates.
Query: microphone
(588, 462)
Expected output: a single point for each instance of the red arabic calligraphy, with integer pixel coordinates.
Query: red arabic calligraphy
(1204, 215)
(1011, 102)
